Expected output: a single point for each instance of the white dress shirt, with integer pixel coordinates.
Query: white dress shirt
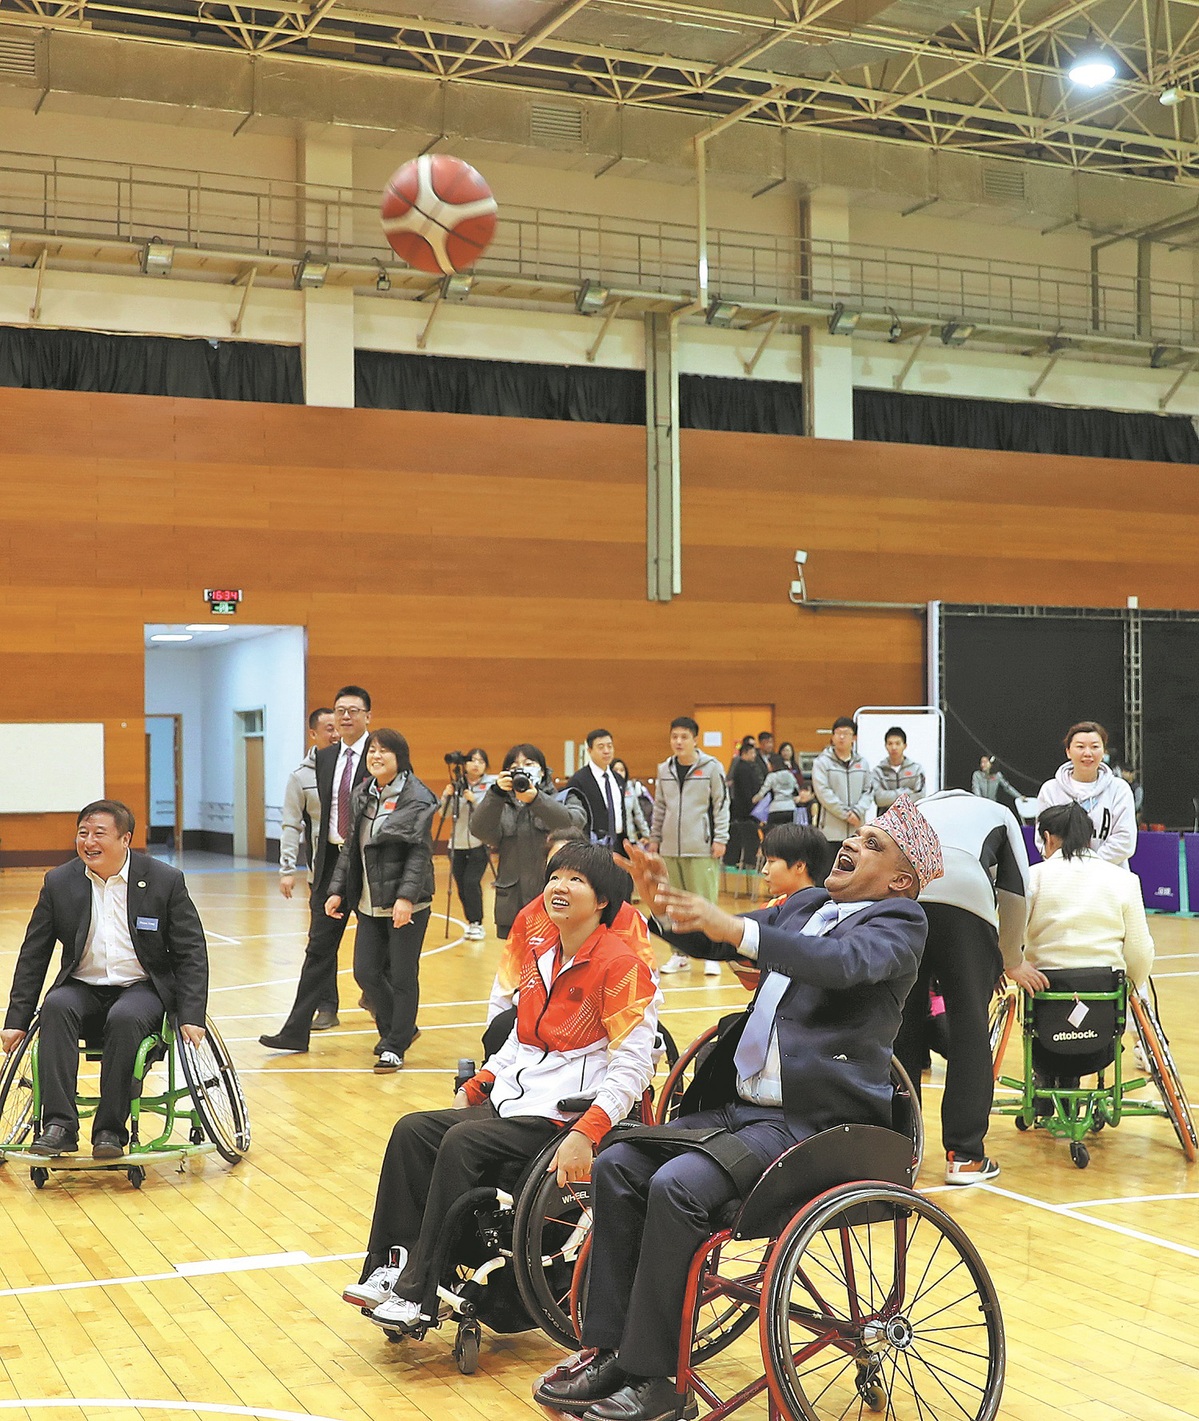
(108, 957)
(354, 752)
(617, 795)
(766, 1086)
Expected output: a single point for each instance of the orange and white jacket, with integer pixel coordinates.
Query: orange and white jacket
(583, 1027)
(534, 927)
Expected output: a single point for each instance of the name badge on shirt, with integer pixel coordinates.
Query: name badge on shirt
(389, 805)
(147, 925)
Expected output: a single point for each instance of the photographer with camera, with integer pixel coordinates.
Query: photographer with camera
(468, 854)
(516, 814)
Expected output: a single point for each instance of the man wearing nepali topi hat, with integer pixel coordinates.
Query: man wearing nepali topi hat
(812, 1051)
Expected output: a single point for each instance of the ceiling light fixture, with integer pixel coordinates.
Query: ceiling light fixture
(170, 636)
(591, 298)
(308, 275)
(157, 257)
(1092, 66)
(843, 322)
(206, 627)
(1171, 96)
(721, 313)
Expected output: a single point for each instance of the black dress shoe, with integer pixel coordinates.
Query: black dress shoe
(323, 1020)
(281, 1043)
(106, 1144)
(56, 1140)
(646, 1399)
(585, 1378)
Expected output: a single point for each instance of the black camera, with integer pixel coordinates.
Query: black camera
(523, 780)
(455, 759)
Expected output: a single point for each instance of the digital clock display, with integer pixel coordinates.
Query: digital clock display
(222, 594)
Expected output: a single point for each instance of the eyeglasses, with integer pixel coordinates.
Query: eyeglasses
(349, 711)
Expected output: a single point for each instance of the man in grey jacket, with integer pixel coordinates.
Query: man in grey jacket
(843, 783)
(690, 827)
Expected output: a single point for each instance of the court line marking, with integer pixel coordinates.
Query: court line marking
(1161, 976)
(210, 1408)
(1131, 1199)
(1073, 1211)
(206, 1267)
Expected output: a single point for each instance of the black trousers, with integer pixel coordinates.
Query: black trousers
(431, 1160)
(649, 1221)
(387, 968)
(125, 1016)
(317, 988)
(962, 953)
(468, 867)
(744, 838)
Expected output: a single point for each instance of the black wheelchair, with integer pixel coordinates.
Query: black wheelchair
(1073, 1031)
(201, 1095)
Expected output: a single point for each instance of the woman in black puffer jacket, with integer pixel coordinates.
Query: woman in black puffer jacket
(385, 872)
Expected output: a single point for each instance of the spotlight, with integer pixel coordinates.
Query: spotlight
(383, 280)
(843, 322)
(157, 257)
(956, 332)
(308, 275)
(591, 298)
(895, 332)
(1171, 96)
(1092, 66)
(721, 313)
(800, 557)
(456, 285)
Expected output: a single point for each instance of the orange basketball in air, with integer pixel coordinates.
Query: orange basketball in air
(438, 213)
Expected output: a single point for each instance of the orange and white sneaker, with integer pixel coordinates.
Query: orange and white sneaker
(960, 1170)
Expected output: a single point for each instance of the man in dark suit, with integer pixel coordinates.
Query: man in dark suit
(601, 790)
(338, 769)
(133, 950)
(812, 1051)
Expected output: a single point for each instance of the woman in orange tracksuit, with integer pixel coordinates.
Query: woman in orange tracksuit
(586, 1022)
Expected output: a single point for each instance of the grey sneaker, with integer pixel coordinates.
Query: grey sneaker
(377, 1288)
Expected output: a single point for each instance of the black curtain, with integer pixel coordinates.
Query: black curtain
(892, 417)
(448, 385)
(150, 365)
(744, 406)
(1170, 676)
(1013, 686)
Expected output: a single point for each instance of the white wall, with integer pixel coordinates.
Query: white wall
(208, 685)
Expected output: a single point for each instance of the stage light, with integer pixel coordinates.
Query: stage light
(721, 313)
(157, 257)
(956, 332)
(456, 285)
(1171, 96)
(308, 275)
(843, 322)
(591, 298)
(383, 280)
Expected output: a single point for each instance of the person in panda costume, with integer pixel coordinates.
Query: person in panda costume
(1087, 781)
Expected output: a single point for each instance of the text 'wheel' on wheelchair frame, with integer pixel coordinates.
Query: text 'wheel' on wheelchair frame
(875, 1300)
(216, 1093)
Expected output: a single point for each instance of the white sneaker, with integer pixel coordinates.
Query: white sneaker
(969, 1171)
(1138, 1055)
(679, 962)
(475, 931)
(711, 969)
(396, 1312)
(377, 1288)
(387, 1063)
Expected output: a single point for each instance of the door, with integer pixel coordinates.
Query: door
(722, 728)
(249, 785)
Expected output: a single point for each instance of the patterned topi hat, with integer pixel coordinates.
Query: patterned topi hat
(915, 836)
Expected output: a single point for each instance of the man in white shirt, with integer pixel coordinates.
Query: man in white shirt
(133, 949)
(601, 791)
(338, 768)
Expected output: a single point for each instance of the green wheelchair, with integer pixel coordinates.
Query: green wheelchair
(194, 1106)
(1074, 1030)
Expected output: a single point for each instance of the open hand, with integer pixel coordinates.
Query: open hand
(572, 1159)
(647, 870)
(689, 913)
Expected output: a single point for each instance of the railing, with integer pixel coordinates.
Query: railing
(280, 219)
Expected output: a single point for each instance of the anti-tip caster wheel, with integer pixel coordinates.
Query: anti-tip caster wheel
(137, 1175)
(1080, 1155)
(466, 1350)
(1020, 1123)
(39, 1176)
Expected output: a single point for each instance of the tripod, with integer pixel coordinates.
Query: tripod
(452, 810)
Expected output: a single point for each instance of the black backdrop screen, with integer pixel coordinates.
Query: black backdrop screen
(1013, 685)
(1170, 678)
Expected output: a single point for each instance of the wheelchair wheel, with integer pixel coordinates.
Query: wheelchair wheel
(1003, 1016)
(681, 1076)
(216, 1093)
(1165, 1073)
(872, 1288)
(550, 1224)
(18, 1124)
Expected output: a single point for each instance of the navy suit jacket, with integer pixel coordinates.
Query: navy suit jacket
(838, 1018)
(325, 859)
(174, 953)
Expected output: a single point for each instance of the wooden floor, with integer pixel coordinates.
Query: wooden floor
(1097, 1271)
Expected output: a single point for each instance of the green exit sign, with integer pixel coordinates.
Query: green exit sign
(223, 609)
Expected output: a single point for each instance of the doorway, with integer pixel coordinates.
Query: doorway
(249, 784)
(164, 780)
(722, 728)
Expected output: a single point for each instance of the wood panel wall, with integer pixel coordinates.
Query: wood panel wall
(485, 578)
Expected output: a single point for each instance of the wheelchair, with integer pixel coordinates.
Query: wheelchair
(1073, 1030)
(201, 1095)
(866, 1296)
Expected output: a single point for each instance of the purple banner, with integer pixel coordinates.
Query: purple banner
(1190, 843)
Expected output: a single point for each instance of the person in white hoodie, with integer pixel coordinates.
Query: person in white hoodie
(1107, 799)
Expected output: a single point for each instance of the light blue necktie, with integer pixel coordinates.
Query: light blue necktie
(750, 1056)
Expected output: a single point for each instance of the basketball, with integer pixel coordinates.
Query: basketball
(438, 213)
